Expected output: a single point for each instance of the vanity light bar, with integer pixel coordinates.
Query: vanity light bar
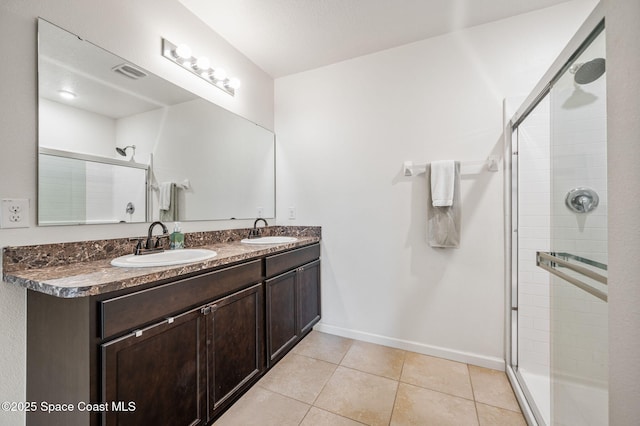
(181, 55)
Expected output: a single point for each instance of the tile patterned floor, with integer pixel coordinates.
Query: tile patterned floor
(328, 380)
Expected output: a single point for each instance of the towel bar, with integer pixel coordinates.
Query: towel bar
(186, 184)
(550, 262)
(490, 163)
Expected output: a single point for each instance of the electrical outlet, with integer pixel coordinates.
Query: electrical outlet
(260, 212)
(14, 213)
(292, 213)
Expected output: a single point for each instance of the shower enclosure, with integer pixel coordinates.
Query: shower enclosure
(557, 305)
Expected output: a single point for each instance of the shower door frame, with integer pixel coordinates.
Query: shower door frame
(592, 26)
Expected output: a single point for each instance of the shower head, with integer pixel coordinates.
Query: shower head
(588, 72)
(123, 151)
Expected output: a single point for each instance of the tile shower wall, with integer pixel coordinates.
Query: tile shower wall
(579, 159)
(579, 321)
(74, 191)
(534, 206)
(562, 329)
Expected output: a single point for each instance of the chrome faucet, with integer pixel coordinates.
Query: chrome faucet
(255, 232)
(150, 246)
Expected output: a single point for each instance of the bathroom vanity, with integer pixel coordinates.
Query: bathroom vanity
(164, 345)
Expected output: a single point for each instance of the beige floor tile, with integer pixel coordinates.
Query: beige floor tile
(359, 396)
(298, 377)
(261, 407)
(494, 416)
(326, 347)
(433, 391)
(375, 359)
(419, 406)
(437, 374)
(318, 417)
(492, 387)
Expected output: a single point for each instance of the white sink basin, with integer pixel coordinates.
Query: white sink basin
(269, 240)
(165, 258)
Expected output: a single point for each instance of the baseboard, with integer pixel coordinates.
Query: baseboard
(451, 354)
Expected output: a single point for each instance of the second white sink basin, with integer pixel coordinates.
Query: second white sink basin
(165, 258)
(269, 240)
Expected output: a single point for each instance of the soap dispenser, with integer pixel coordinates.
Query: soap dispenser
(176, 239)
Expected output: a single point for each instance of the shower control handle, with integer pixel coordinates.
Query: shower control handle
(582, 200)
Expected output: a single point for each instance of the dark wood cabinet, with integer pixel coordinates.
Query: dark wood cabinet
(283, 330)
(292, 299)
(309, 307)
(157, 375)
(236, 351)
(185, 369)
(176, 352)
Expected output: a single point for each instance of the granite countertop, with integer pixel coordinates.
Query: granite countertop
(92, 277)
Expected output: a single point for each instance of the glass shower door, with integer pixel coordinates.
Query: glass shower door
(577, 254)
(558, 310)
(533, 370)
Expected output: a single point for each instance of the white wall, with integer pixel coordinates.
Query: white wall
(131, 29)
(215, 162)
(343, 133)
(92, 133)
(623, 157)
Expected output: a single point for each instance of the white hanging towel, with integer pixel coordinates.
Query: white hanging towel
(442, 182)
(164, 196)
(443, 222)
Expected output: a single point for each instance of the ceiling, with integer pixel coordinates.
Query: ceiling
(288, 36)
(67, 62)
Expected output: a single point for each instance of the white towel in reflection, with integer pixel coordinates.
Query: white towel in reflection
(164, 196)
(442, 183)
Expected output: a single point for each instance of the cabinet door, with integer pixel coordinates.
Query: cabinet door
(154, 375)
(282, 330)
(308, 296)
(236, 353)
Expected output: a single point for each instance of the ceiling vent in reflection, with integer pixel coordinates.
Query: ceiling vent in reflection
(129, 71)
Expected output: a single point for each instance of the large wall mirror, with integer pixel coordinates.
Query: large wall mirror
(119, 144)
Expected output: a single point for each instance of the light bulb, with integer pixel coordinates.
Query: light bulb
(202, 64)
(219, 74)
(233, 83)
(183, 51)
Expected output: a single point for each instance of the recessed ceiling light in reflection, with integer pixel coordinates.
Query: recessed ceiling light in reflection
(66, 94)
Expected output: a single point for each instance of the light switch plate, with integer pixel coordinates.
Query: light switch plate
(14, 213)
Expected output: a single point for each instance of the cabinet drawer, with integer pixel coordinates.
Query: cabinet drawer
(280, 263)
(133, 310)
